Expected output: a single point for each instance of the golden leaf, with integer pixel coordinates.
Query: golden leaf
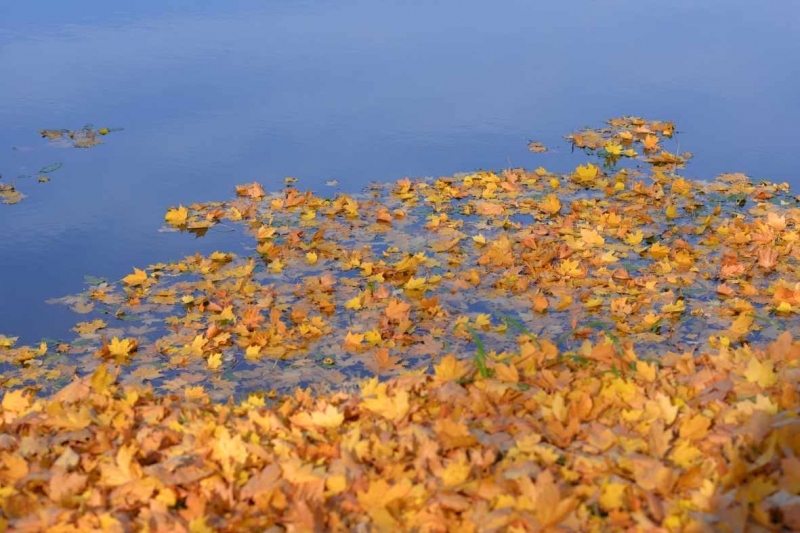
(137, 278)
(177, 216)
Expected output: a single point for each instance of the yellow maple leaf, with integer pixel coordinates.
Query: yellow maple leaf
(658, 251)
(609, 258)
(373, 337)
(377, 400)
(227, 447)
(650, 143)
(311, 258)
(672, 212)
(7, 342)
(483, 321)
(646, 371)
(613, 148)
(124, 470)
(695, 428)
(87, 328)
(214, 361)
(592, 238)
(550, 204)
(120, 348)
(415, 284)
(634, 238)
(569, 267)
(330, 417)
(16, 401)
(195, 393)
(455, 473)
(352, 341)
(354, 303)
(762, 373)
(336, 484)
(102, 379)
(226, 315)
(177, 216)
(676, 307)
(137, 278)
(612, 496)
(587, 173)
(253, 352)
(450, 368)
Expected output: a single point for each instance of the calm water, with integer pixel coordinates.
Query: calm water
(350, 90)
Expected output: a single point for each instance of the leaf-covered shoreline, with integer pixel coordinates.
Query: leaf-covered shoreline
(699, 444)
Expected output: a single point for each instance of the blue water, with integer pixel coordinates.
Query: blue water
(212, 96)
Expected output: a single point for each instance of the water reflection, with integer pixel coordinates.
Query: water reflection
(355, 91)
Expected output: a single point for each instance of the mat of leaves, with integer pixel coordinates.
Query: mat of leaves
(610, 349)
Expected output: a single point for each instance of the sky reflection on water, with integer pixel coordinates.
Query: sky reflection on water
(352, 90)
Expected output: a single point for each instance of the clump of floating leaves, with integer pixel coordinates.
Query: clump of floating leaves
(86, 137)
(607, 349)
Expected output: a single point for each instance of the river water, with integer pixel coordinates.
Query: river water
(209, 96)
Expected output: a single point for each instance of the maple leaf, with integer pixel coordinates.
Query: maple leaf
(613, 148)
(767, 258)
(761, 373)
(383, 361)
(64, 485)
(138, 277)
(88, 328)
(540, 303)
(550, 204)
(450, 368)
(123, 470)
(253, 190)
(121, 348)
(397, 310)
(537, 147)
(571, 268)
(489, 209)
(15, 401)
(586, 173)
(634, 239)
(613, 496)
(214, 361)
(376, 399)
(176, 216)
(456, 472)
(415, 284)
(672, 212)
(228, 449)
(545, 497)
(650, 143)
(592, 238)
(378, 496)
(658, 251)
(330, 417)
(354, 304)
(352, 341)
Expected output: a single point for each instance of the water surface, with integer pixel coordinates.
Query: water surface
(351, 90)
